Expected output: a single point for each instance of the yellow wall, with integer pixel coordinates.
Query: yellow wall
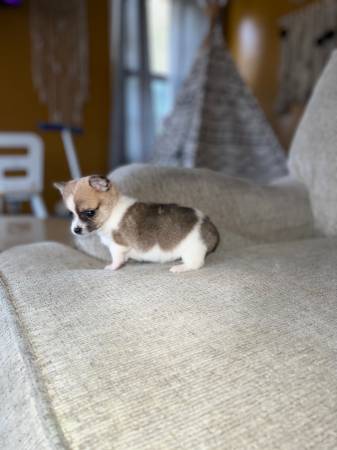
(253, 37)
(20, 109)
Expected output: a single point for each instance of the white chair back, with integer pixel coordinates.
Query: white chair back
(28, 166)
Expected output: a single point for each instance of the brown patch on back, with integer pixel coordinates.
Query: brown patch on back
(210, 235)
(119, 238)
(147, 224)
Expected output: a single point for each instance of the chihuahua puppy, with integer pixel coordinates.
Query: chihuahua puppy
(141, 231)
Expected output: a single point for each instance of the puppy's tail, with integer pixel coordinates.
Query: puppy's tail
(209, 234)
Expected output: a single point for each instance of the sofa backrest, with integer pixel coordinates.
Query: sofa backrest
(313, 154)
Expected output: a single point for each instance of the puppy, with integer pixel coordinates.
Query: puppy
(141, 231)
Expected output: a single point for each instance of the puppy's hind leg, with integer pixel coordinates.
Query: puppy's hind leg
(193, 259)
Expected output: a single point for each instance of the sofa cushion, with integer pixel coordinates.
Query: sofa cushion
(241, 354)
(313, 154)
(245, 213)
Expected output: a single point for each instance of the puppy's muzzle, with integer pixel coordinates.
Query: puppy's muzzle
(78, 230)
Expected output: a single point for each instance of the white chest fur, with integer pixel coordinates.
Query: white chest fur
(105, 233)
(118, 213)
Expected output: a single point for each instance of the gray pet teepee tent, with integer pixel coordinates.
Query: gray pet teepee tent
(217, 123)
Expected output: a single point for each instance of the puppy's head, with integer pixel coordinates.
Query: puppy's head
(90, 201)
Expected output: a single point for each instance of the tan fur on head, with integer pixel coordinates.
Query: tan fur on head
(90, 200)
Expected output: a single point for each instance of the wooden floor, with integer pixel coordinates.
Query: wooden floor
(17, 230)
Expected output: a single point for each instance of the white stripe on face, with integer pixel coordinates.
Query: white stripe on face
(76, 222)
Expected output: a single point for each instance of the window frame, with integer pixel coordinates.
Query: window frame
(120, 74)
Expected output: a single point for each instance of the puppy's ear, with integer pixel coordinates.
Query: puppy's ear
(60, 186)
(100, 183)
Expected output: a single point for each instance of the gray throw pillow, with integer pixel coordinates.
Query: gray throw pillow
(313, 154)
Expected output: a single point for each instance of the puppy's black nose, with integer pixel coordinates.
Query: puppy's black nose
(78, 230)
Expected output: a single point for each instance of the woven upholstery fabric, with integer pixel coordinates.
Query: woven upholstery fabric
(22, 416)
(245, 213)
(313, 154)
(241, 354)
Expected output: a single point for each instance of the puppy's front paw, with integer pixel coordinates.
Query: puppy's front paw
(111, 267)
(114, 266)
(179, 268)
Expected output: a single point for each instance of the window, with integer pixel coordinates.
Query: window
(145, 73)
(146, 34)
(159, 24)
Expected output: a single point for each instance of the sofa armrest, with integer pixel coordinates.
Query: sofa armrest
(24, 417)
(245, 213)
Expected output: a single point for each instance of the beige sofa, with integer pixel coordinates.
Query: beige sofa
(239, 355)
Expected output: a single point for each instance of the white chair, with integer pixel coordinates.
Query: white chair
(21, 176)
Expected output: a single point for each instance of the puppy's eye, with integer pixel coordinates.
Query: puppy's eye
(70, 214)
(89, 213)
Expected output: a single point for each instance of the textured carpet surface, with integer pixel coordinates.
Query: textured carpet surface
(239, 355)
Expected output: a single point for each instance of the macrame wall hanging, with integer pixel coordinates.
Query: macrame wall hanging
(308, 37)
(59, 41)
